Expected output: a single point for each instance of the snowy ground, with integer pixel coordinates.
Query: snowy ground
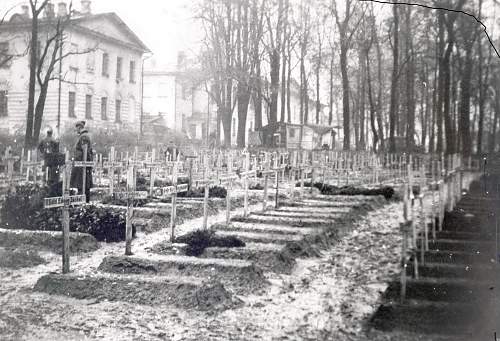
(326, 298)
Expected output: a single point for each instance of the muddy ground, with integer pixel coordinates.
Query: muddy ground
(324, 298)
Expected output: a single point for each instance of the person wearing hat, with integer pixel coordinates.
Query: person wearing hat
(77, 172)
(48, 148)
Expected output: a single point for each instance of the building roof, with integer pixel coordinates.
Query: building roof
(321, 130)
(318, 129)
(19, 22)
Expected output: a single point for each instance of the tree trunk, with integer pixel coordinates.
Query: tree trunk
(318, 70)
(345, 97)
(493, 136)
(380, 124)
(410, 85)
(288, 88)
(439, 104)
(372, 104)
(448, 128)
(243, 100)
(394, 83)
(464, 121)
(330, 103)
(361, 95)
(481, 87)
(257, 94)
(29, 142)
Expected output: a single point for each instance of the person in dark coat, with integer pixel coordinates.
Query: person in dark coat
(77, 172)
(48, 149)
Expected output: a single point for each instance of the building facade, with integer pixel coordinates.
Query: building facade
(101, 72)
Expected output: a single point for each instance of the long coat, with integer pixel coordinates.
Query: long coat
(77, 172)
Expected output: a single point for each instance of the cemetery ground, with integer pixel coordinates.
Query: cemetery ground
(295, 260)
(324, 289)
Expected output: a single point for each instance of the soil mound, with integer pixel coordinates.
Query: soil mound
(197, 241)
(19, 258)
(47, 240)
(202, 296)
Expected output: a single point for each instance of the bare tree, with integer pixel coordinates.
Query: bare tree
(347, 26)
(394, 81)
(44, 56)
(7, 54)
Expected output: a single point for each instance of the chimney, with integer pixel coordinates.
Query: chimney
(62, 10)
(85, 7)
(25, 11)
(49, 11)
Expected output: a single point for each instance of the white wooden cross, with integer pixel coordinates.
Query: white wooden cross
(206, 182)
(65, 201)
(29, 165)
(129, 195)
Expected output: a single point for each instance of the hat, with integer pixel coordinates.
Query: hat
(80, 124)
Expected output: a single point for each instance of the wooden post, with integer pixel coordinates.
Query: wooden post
(228, 188)
(129, 214)
(312, 179)
(205, 197)
(84, 169)
(403, 272)
(276, 167)
(174, 201)
(65, 215)
(266, 178)
(245, 184)
(111, 170)
(433, 193)
(28, 167)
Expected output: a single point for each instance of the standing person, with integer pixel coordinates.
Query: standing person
(48, 149)
(77, 172)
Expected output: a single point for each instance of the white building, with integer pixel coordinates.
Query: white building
(102, 87)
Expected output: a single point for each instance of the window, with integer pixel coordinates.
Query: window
(3, 103)
(88, 107)
(104, 108)
(105, 64)
(118, 109)
(132, 72)
(71, 104)
(90, 62)
(4, 55)
(292, 133)
(119, 68)
(74, 56)
(234, 126)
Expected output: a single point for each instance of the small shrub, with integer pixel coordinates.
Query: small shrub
(256, 186)
(23, 209)
(213, 192)
(327, 189)
(109, 200)
(197, 241)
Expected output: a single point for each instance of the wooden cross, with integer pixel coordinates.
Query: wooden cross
(178, 188)
(30, 164)
(65, 201)
(111, 165)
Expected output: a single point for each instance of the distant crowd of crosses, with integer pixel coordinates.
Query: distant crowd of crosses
(115, 174)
